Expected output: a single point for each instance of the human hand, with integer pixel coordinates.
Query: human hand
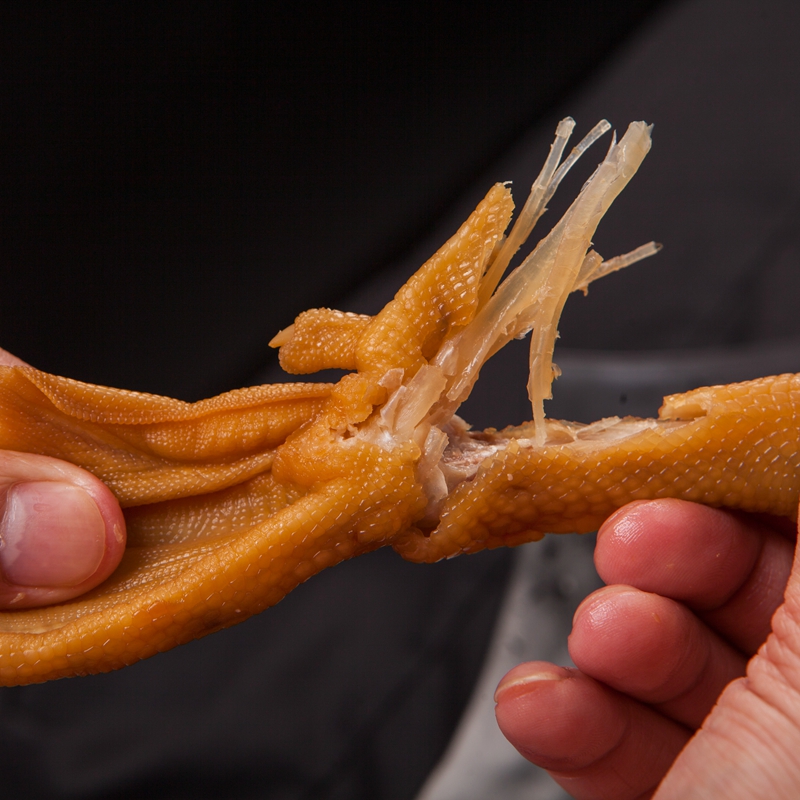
(61, 529)
(692, 595)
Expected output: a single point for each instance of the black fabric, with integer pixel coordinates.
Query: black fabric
(348, 688)
(169, 170)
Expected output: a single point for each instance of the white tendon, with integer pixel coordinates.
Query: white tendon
(533, 295)
(573, 242)
(531, 298)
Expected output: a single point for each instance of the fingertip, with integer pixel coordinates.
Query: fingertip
(62, 531)
(596, 620)
(679, 549)
(633, 641)
(594, 741)
(560, 719)
(634, 530)
(625, 537)
(556, 717)
(521, 679)
(535, 713)
(114, 529)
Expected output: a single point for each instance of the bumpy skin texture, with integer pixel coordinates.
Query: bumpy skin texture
(730, 446)
(234, 501)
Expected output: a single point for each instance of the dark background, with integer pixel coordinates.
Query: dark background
(177, 182)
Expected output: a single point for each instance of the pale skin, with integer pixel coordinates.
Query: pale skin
(688, 664)
(61, 529)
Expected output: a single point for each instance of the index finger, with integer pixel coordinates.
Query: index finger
(730, 568)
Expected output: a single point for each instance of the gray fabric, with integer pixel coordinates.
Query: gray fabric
(550, 579)
(604, 384)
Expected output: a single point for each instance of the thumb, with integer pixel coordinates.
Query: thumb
(61, 531)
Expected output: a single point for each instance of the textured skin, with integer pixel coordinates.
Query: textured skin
(234, 501)
(730, 446)
(321, 334)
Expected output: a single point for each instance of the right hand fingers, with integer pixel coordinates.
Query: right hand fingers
(693, 596)
(593, 740)
(730, 569)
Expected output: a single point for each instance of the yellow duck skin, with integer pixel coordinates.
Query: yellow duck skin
(232, 502)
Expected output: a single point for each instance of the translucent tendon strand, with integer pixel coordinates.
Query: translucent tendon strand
(505, 316)
(418, 397)
(531, 212)
(580, 223)
(564, 269)
(537, 201)
(533, 295)
(613, 143)
(530, 283)
(591, 264)
(600, 270)
(583, 145)
(607, 156)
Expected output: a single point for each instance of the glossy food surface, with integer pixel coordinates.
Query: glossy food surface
(233, 501)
